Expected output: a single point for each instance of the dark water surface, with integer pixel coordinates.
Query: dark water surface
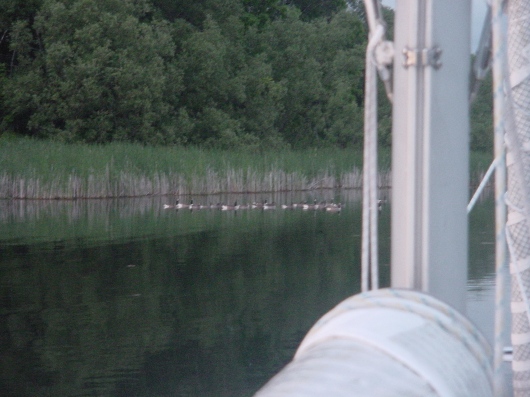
(124, 298)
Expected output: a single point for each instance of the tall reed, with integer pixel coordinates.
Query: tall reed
(35, 169)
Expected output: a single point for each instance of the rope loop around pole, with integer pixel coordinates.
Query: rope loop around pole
(369, 255)
(379, 55)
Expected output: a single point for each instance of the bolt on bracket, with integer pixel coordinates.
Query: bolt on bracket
(422, 57)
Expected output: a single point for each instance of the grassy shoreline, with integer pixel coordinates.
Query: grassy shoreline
(34, 169)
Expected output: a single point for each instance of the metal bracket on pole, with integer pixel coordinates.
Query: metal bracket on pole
(422, 57)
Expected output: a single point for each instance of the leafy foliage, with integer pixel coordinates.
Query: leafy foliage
(482, 117)
(312, 9)
(233, 74)
(100, 73)
(283, 83)
(261, 12)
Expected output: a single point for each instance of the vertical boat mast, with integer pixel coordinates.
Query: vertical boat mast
(430, 148)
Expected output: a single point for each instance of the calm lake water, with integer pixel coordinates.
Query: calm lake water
(124, 298)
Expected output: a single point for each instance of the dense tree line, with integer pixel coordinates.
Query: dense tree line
(218, 73)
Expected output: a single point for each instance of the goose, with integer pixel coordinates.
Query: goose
(310, 206)
(230, 207)
(271, 206)
(322, 206)
(195, 206)
(244, 207)
(288, 207)
(299, 205)
(215, 206)
(259, 205)
(334, 208)
(181, 206)
(328, 205)
(167, 206)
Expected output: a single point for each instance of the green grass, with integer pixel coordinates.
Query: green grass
(32, 168)
(45, 169)
(27, 156)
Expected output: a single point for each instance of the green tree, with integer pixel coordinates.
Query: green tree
(12, 11)
(312, 9)
(263, 103)
(100, 74)
(13, 14)
(261, 12)
(481, 114)
(98, 71)
(197, 11)
(230, 94)
(321, 65)
(210, 62)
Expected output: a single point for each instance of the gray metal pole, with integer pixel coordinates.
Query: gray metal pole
(430, 148)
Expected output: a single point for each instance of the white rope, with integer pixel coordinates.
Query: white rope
(369, 255)
(374, 63)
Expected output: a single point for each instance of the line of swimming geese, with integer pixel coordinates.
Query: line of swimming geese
(265, 205)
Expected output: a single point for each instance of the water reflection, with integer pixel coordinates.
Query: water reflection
(124, 298)
(73, 210)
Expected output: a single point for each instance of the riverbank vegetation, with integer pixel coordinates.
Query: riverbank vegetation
(31, 169)
(44, 169)
(140, 97)
(237, 74)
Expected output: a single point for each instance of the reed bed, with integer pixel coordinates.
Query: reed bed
(136, 185)
(33, 169)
